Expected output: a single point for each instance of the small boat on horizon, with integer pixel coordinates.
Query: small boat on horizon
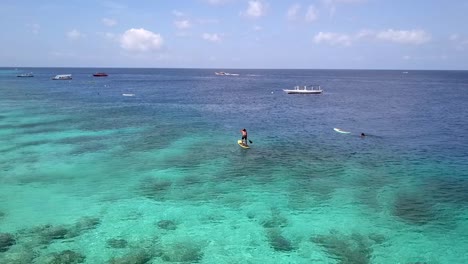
(304, 90)
(62, 77)
(226, 74)
(25, 75)
(100, 74)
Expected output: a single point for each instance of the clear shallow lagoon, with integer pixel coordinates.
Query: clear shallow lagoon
(90, 175)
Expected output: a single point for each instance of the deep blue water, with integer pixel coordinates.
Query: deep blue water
(314, 194)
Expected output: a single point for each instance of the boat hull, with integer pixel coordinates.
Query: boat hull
(100, 75)
(303, 91)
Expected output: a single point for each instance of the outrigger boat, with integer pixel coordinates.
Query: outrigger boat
(25, 75)
(312, 89)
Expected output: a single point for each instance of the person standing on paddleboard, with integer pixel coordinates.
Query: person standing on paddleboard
(244, 136)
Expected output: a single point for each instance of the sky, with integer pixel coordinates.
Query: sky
(231, 34)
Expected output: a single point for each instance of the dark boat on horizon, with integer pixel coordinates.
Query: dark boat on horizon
(100, 74)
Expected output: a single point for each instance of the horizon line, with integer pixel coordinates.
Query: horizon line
(221, 68)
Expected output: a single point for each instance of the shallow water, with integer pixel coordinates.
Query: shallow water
(158, 177)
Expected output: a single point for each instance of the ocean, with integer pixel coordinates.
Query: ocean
(143, 166)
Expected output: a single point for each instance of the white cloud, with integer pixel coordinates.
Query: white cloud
(109, 22)
(404, 36)
(182, 24)
(364, 34)
(75, 34)
(177, 13)
(311, 14)
(257, 28)
(211, 37)
(293, 11)
(140, 40)
(332, 38)
(255, 9)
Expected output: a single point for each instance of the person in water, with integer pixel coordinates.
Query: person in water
(244, 136)
(363, 135)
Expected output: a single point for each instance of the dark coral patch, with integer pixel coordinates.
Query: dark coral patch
(50, 232)
(155, 188)
(138, 257)
(414, 209)
(276, 220)
(64, 257)
(377, 238)
(46, 234)
(21, 254)
(6, 241)
(117, 243)
(86, 223)
(167, 225)
(278, 242)
(183, 252)
(355, 248)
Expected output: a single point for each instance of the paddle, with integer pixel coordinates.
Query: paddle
(250, 141)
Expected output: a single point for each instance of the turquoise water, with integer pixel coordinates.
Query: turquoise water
(92, 176)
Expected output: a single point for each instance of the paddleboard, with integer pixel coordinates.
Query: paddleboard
(341, 131)
(242, 145)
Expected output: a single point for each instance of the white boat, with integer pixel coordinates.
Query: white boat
(62, 77)
(312, 89)
(25, 75)
(226, 74)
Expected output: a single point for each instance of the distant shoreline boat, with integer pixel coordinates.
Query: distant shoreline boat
(25, 75)
(62, 77)
(226, 74)
(100, 74)
(304, 90)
